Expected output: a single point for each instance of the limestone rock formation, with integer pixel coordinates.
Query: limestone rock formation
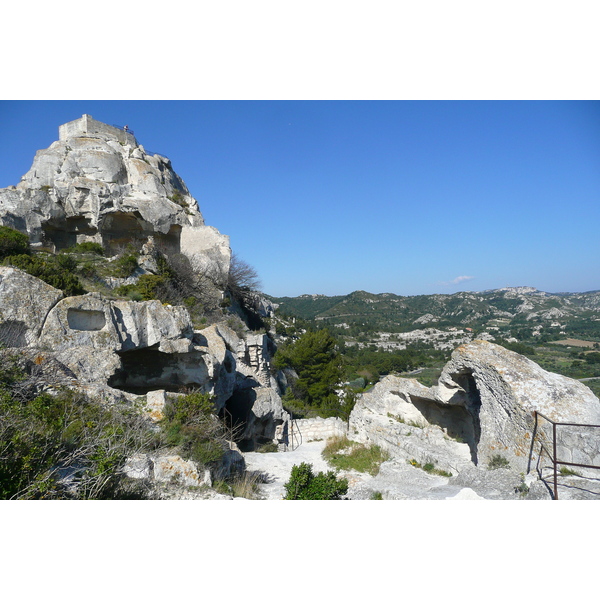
(500, 390)
(482, 407)
(96, 183)
(24, 303)
(401, 416)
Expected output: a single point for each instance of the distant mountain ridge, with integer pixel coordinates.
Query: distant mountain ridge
(522, 306)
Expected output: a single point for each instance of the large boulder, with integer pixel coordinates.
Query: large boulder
(96, 322)
(501, 390)
(402, 417)
(24, 304)
(483, 409)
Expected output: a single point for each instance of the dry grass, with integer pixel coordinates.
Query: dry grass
(574, 342)
(346, 455)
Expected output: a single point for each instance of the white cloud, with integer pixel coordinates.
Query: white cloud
(458, 280)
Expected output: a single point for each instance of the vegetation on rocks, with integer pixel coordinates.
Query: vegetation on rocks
(56, 270)
(192, 427)
(63, 445)
(12, 242)
(305, 485)
(345, 455)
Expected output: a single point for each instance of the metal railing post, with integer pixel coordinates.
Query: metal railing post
(554, 460)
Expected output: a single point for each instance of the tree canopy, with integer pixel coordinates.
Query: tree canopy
(315, 360)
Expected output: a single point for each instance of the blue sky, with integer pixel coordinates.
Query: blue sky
(408, 197)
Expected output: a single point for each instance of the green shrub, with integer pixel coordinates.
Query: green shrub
(56, 271)
(498, 462)
(191, 426)
(304, 485)
(125, 265)
(85, 248)
(146, 287)
(344, 455)
(12, 242)
(429, 468)
(64, 445)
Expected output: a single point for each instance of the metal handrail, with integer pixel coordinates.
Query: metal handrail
(292, 436)
(123, 129)
(553, 457)
(226, 414)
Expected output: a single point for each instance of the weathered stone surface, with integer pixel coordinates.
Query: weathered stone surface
(482, 408)
(156, 402)
(24, 303)
(401, 416)
(98, 184)
(174, 469)
(500, 391)
(253, 355)
(96, 322)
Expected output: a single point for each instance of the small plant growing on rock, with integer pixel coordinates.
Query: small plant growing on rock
(344, 454)
(429, 468)
(498, 462)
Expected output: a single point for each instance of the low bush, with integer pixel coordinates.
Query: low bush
(498, 462)
(429, 468)
(304, 485)
(64, 445)
(12, 242)
(124, 266)
(85, 248)
(345, 455)
(55, 270)
(192, 426)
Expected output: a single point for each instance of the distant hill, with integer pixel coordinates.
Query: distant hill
(523, 309)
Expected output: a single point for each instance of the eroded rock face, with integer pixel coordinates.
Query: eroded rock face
(24, 303)
(96, 183)
(501, 390)
(402, 417)
(482, 407)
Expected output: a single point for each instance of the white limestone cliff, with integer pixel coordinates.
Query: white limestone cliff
(96, 183)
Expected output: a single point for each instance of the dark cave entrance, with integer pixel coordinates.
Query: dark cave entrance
(236, 414)
(147, 369)
(120, 229)
(63, 234)
(472, 404)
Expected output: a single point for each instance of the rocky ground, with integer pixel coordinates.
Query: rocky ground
(399, 480)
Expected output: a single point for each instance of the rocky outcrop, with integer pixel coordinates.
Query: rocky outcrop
(121, 350)
(482, 408)
(500, 390)
(24, 304)
(402, 417)
(96, 183)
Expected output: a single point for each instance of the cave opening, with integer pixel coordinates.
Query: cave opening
(120, 229)
(62, 235)
(236, 414)
(472, 404)
(148, 369)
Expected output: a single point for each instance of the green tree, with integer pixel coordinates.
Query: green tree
(315, 359)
